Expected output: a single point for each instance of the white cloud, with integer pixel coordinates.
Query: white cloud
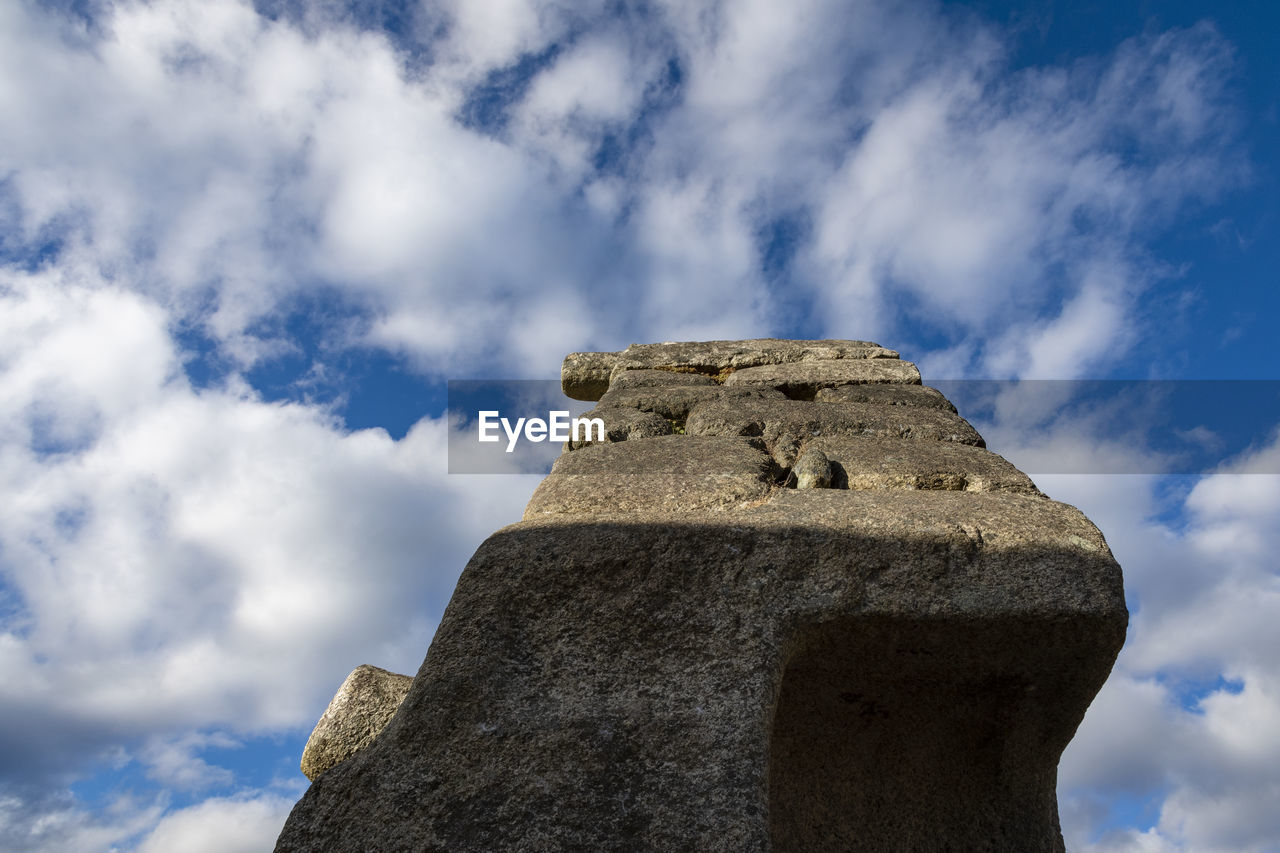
(56, 824)
(1091, 328)
(969, 190)
(591, 82)
(220, 826)
(173, 762)
(198, 560)
(225, 163)
(482, 37)
(1190, 719)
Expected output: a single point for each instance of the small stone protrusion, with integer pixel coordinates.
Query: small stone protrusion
(812, 470)
(358, 713)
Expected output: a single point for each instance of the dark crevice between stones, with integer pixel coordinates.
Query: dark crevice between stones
(804, 392)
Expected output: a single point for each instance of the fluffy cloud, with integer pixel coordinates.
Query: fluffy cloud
(980, 195)
(179, 561)
(871, 157)
(220, 826)
(1190, 721)
(1179, 749)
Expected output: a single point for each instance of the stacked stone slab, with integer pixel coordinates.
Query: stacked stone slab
(791, 603)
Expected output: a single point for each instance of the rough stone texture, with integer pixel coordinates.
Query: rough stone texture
(674, 651)
(621, 424)
(803, 381)
(785, 425)
(694, 456)
(715, 357)
(813, 470)
(886, 395)
(674, 402)
(612, 683)
(660, 379)
(666, 474)
(359, 710)
(585, 375)
(887, 463)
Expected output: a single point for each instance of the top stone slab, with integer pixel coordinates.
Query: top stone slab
(803, 381)
(586, 376)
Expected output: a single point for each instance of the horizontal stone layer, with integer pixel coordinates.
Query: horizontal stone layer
(885, 395)
(803, 381)
(693, 473)
(622, 423)
(890, 463)
(715, 356)
(585, 376)
(660, 379)
(673, 473)
(672, 454)
(926, 552)
(583, 495)
(675, 402)
(785, 425)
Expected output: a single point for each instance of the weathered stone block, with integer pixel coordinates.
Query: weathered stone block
(785, 425)
(585, 375)
(660, 379)
(672, 473)
(623, 424)
(675, 402)
(361, 708)
(885, 395)
(888, 463)
(714, 357)
(803, 381)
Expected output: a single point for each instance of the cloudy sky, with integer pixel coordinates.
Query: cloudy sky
(244, 245)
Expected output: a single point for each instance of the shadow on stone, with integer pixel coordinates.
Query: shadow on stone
(910, 734)
(903, 678)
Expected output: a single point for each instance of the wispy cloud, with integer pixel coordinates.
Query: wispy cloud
(223, 162)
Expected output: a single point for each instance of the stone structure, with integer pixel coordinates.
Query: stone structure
(360, 710)
(792, 604)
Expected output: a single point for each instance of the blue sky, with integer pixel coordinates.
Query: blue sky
(244, 247)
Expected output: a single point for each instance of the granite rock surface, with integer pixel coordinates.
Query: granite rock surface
(587, 375)
(786, 425)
